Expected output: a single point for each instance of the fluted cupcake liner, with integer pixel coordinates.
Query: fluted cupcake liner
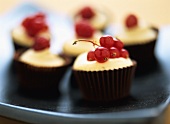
(105, 86)
(144, 55)
(39, 79)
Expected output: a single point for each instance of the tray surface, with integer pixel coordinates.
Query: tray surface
(149, 94)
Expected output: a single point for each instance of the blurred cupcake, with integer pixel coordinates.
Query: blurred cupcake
(98, 18)
(31, 27)
(139, 39)
(105, 74)
(83, 30)
(39, 70)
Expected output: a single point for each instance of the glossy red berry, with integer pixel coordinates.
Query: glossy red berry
(41, 43)
(102, 54)
(131, 21)
(84, 29)
(124, 53)
(90, 56)
(114, 52)
(35, 24)
(87, 12)
(106, 41)
(26, 22)
(118, 44)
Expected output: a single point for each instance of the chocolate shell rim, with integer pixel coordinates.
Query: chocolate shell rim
(133, 61)
(19, 52)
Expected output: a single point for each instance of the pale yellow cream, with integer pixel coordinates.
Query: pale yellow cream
(141, 34)
(22, 38)
(43, 58)
(99, 21)
(81, 63)
(80, 47)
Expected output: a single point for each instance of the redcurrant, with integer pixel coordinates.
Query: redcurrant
(87, 12)
(102, 54)
(106, 41)
(35, 24)
(114, 52)
(131, 21)
(124, 53)
(118, 44)
(84, 29)
(41, 43)
(90, 56)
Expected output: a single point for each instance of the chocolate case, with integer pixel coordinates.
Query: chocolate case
(149, 95)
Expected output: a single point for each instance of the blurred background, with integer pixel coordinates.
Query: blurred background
(157, 12)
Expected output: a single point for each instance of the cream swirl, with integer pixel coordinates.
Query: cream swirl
(143, 33)
(99, 21)
(81, 63)
(43, 58)
(21, 37)
(80, 47)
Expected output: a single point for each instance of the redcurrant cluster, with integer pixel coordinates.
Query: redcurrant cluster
(41, 43)
(35, 24)
(131, 21)
(109, 48)
(84, 29)
(87, 12)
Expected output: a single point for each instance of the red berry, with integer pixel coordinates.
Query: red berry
(87, 12)
(124, 53)
(106, 41)
(26, 22)
(118, 44)
(41, 43)
(84, 29)
(90, 56)
(40, 15)
(102, 54)
(114, 52)
(131, 21)
(35, 24)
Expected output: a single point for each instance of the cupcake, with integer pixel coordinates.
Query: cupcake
(39, 70)
(99, 19)
(32, 26)
(83, 30)
(139, 39)
(104, 74)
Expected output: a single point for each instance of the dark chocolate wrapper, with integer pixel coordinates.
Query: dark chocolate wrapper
(17, 46)
(105, 86)
(144, 55)
(39, 79)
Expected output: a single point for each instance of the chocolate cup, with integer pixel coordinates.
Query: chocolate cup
(144, 55)
(17, 46)
(105, 86)
(42, 80)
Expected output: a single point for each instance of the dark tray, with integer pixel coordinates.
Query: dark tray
(149, 94)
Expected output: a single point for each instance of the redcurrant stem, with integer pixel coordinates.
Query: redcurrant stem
(86, 41)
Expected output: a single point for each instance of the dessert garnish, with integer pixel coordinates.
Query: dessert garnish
(35, 24)
(131, 21)
(41, 43)
(109, 48)
(87, 12)
(84, 29)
